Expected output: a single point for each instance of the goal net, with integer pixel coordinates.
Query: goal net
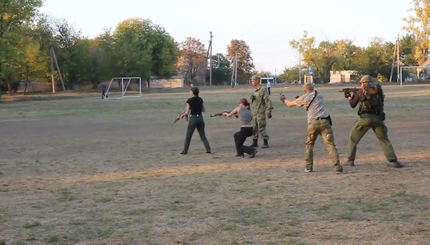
(414, 74)
(124, 87)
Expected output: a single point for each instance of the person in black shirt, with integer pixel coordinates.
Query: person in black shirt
(194, 109)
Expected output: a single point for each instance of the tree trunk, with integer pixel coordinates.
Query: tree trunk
(9, 86)
(25, 85)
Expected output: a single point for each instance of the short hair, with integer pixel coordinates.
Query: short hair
(255, 77)
(309, 86)
(195, 91)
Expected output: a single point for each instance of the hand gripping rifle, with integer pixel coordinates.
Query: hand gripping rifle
(177, 118)
(282, 97)
(347, 91)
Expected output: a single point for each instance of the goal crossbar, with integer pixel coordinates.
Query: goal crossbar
(125, 83)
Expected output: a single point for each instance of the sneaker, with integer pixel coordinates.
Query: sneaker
(240, 155)
(350, 163)
(208, 152)
(396, 164)
(341, 171)
(183, 152)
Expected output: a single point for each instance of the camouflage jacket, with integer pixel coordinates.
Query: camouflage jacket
(261, 103)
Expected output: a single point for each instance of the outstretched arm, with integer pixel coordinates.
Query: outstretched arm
(233, 112)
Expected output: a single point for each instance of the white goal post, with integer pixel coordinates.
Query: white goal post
(125, 89)
(414, 74)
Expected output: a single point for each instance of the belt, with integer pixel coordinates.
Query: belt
(196, 115)
(320, 118)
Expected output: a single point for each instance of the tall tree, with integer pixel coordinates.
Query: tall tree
(418, 24)
(245, 63)
(13, 13)
(193, 56)
(221, 71)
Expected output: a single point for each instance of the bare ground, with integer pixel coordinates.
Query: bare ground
(91, 171)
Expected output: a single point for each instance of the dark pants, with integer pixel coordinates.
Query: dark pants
(239, 139)
(268, 89)
(196, 122)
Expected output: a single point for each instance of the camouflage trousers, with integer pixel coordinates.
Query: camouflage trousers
(321, 127)
(360, 128)
(259, 127)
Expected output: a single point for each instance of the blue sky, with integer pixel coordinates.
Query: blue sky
(266, 25)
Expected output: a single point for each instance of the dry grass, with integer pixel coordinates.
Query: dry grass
(87, 171)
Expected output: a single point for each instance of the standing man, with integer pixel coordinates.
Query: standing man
(372, 116)
(261, 107)
(269, 85)
(319, 123)
(104, 89)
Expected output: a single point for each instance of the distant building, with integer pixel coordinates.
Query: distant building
(346, 76)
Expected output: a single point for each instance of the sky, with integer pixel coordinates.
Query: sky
(267, 26)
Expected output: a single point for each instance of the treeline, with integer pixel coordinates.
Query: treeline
(138, 47)
(376, 59)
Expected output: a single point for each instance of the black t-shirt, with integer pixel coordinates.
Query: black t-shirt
(196, 105)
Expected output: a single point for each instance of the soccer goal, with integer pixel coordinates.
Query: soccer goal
(124, 87)
(414, 74)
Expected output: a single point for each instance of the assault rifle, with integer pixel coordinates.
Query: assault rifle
(220, 114)
(347, 91)
(177, 118)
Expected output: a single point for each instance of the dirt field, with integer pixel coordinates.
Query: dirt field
(92, 171)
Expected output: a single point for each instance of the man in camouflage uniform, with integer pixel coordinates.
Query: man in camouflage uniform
(319, 123)
(261, 107)
(372, 116)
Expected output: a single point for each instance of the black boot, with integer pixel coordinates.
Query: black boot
(254, 143)
(266, 144)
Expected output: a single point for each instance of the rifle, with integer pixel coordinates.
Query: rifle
(347, 91)
(220, 114)
(177, 118)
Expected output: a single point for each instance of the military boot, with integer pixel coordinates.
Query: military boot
(266, 144)
(396, 164)
(254, 143)
(350, 163)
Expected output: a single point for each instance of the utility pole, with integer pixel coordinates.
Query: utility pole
(398, 58)
(235, 68)
(210, 60)
(300, 68)
(275, 77)
(54, 58)
(394, 61)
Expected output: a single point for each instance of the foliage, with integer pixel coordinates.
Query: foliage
(418, 24)
(245, 63)
(192, 59)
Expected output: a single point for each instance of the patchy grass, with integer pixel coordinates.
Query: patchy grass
(91, 171)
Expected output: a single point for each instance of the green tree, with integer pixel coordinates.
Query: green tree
(408, 45)
(13, 13)
(290, 74)
(418, 24)
(245, 63)
(221, 69)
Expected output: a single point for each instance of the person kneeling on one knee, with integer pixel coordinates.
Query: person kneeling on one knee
(246, 128)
